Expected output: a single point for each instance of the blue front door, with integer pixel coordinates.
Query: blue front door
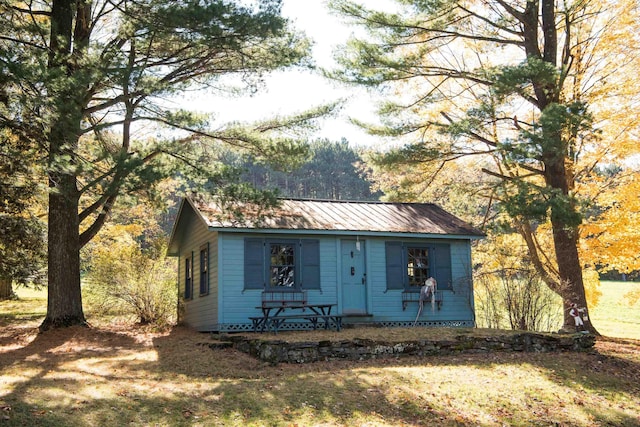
(354, 277)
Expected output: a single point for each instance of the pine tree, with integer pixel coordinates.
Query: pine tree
(505, 82)
(22, 245)
(92, 76)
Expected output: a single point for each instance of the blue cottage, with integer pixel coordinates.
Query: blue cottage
(368, 259)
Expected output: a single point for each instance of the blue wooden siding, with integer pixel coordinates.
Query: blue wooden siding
(386, 304)
(229, 305)
(201, 311)
(237, 304)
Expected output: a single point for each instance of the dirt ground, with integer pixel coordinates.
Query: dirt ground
(114, 374)
(618, 357)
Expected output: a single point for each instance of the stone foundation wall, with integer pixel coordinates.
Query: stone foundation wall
(274, 351)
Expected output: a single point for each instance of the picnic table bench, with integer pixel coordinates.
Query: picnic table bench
(273, 323)
(274, 303)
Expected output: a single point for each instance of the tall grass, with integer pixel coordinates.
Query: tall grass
(616, 315)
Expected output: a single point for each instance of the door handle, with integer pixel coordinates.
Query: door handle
(353, 271)
(363, 280)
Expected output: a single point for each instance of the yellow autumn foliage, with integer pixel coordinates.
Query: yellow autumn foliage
(611, 240)
(501, 251)
(610, 237)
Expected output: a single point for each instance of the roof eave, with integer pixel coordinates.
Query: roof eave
(402, 234)
(172, 247)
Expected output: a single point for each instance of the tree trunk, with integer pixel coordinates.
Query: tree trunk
(6, 290)
(569, 267)
(558, 176)
(64, 303)
(565, 240)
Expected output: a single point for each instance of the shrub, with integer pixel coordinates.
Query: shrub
(508, 291)
(124, 278)
(517, 299)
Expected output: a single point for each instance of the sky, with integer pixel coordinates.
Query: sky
(295, 90)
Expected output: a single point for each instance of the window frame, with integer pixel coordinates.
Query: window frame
(397, 264)
(295, 251)
(188, 278)
(413, 270)
(258, 266)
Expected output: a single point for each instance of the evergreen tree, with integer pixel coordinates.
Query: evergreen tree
(22, 247)
(91, 77)
(332, 171)
(505, 81)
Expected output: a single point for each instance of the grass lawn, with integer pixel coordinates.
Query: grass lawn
(614, 316)
(115, 375)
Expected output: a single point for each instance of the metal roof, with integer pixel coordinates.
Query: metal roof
(324, 215)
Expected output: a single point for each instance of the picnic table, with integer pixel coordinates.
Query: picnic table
(275, 315)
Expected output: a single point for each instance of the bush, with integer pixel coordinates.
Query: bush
(508, 291)
(125, 279)
(517, 299)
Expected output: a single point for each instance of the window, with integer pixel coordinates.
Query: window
(281, 264)
(417, 266)
(188, 277)
(204, 270)
(410, 264)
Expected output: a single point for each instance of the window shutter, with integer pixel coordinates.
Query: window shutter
(396, 270)
(310, 261)
(441, 270)
(254, 264)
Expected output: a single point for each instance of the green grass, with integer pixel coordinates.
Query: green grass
(31, 305)
(614, 316)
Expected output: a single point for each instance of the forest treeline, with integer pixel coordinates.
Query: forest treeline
(332, 171)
